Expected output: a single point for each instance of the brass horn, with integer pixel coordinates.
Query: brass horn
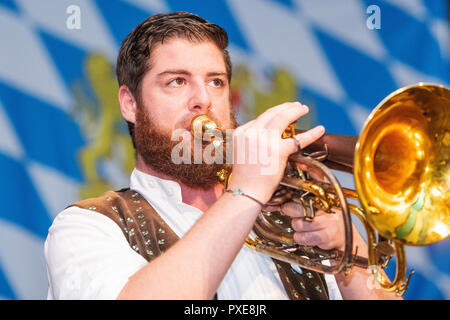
(401, 168)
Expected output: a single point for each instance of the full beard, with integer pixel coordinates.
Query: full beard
(155, 149)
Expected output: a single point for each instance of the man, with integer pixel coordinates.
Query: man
(171, 68)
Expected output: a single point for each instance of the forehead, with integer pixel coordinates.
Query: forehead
(179, 53)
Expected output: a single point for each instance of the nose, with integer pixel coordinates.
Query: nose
(200, 99)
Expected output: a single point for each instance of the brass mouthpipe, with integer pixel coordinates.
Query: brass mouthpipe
(340, 150)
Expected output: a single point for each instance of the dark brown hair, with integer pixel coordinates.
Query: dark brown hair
(133, 60)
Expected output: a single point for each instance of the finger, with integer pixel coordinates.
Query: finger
(309, 238)
(320, 222)
(269, 114)
(308, 137)
(293, 210)
(238, 133)
(302, 140)
(244, 127)
(271, 208)
(324, 239)
(280, 117)
(296, 210)
(281, 120)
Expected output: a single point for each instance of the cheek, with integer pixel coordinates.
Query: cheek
(222, 110)
(159, 120)
(162, 109)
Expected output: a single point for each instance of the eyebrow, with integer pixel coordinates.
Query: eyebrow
(171, 72)
(212, 74)
(187, 73)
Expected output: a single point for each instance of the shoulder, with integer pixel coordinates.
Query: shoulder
(79, 218)
(98, 213)
(77, 228)
(88, 256)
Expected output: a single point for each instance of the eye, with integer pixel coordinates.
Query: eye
(217, 83)
(178, 82)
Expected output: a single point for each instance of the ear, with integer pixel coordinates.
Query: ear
(127, 103)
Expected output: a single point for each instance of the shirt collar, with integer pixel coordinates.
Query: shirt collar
(153, 187)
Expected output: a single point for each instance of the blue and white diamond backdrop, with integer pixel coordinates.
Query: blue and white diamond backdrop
(62, 137)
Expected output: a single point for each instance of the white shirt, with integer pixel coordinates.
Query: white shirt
(88, 257)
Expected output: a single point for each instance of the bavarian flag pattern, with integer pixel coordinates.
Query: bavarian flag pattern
(62, 137)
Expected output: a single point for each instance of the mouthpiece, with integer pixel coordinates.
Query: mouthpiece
(200, 124)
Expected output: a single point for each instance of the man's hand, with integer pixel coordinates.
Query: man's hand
(326, 230)
(260, 154)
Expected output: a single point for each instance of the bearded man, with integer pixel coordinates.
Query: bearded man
(176, 233)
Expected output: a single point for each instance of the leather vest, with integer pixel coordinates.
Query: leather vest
(150, 236)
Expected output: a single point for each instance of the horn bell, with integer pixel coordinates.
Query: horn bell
(402, 165)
